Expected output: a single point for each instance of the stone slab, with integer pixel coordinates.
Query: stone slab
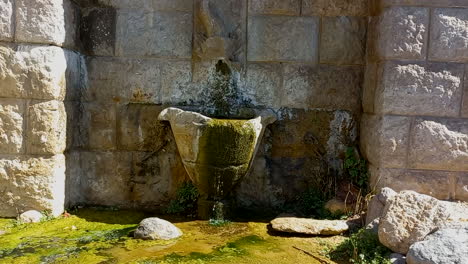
(461, 187)
(176, 87)
(343, 40)
(98, 124)
(283, 38)
(275, 7)
(464, 107)
(6, 20)
(161, 34)
(439, 144)
(402, 33)
(436, 87)
(307, 86)
(263, 84)
(97, 30)
(335, 8)
(449, 35)
(384, 140)
(438, 184)
(47, 21)
(32, 183)
(440, 3)
(11, 126)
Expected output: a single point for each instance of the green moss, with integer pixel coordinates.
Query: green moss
(225, 150)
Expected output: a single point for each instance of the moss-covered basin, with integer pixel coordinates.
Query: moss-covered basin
(93, 236)
(216, 153)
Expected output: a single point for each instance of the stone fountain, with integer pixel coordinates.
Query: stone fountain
(216, 153)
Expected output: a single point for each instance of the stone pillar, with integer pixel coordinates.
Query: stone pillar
(38, 74)
(414, 130)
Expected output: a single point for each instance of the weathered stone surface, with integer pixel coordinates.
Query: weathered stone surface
(154, 228)
(123, 80)
(317, 87)
(38, 72)
(99, 126)
(377, 204)
(138, 129)
(275, 7)
(409, 217)
(309, 226)
(47, 127)
(442, 3)
(32, 183)
(11, 126)
(402, 33)
(161, 34)
(343, 40)
(48, 21)
(446, 137)
(220, 30)
(175, 5)
(396, 258)
(6, 20)
(369, 86)
(335, 7)
(464, 110)
(106, 178)
(438, 184)
(449, 35)
(436, 87)
(31, 216)
(461, 187)
(176, 87)
(283, 38)
(97, 30)
(384, 140)
(448, 245)
(263, 84)
(148, 5)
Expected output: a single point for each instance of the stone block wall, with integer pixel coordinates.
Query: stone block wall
(40, 77)
(414, 130)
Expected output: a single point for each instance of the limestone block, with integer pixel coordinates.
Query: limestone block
(439, 144)
(275, 7)
(464, 109)
(309, 226)
(176, 5)
(176, 85)
(99, 126)
(334, 8)
(97, 30)
(384, 140)
(47, 127)
(370, 82)
(74, 194)
(11, 126)
(263, 84)
(47, 21)
(220, 28)
(106, 178)
(441, 3)
(138, 129)
(125, 4)
(123, 80)
(38, 72)
(162, 34)
(6, 20)
(402, 33)
(434, 183)
(449, 35)
(283, 38)
(317, 87)
(461, 187)
(343, 40)
(436, 87)
(32, 183)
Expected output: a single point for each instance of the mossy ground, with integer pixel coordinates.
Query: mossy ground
(96, 236)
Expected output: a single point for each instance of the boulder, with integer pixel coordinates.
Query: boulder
(409, 217)
(377, 204)
(337, 206)
(31, 216)
(309, 226)
(448, 246)
(373, 226)
(154, 228)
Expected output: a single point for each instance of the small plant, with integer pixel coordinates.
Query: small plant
(356, 167)
(47, 216)
(362, 247)
(218, 222)
(185, 201)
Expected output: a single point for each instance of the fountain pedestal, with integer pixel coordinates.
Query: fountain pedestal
(216, 153)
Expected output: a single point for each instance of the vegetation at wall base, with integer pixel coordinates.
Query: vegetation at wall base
(185, 201)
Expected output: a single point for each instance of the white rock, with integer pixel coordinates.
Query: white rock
(31, 216)
(155, 228)
(309, 226)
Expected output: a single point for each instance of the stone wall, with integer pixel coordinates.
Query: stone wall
(40, 74)
(283, 55)
(414, 130)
